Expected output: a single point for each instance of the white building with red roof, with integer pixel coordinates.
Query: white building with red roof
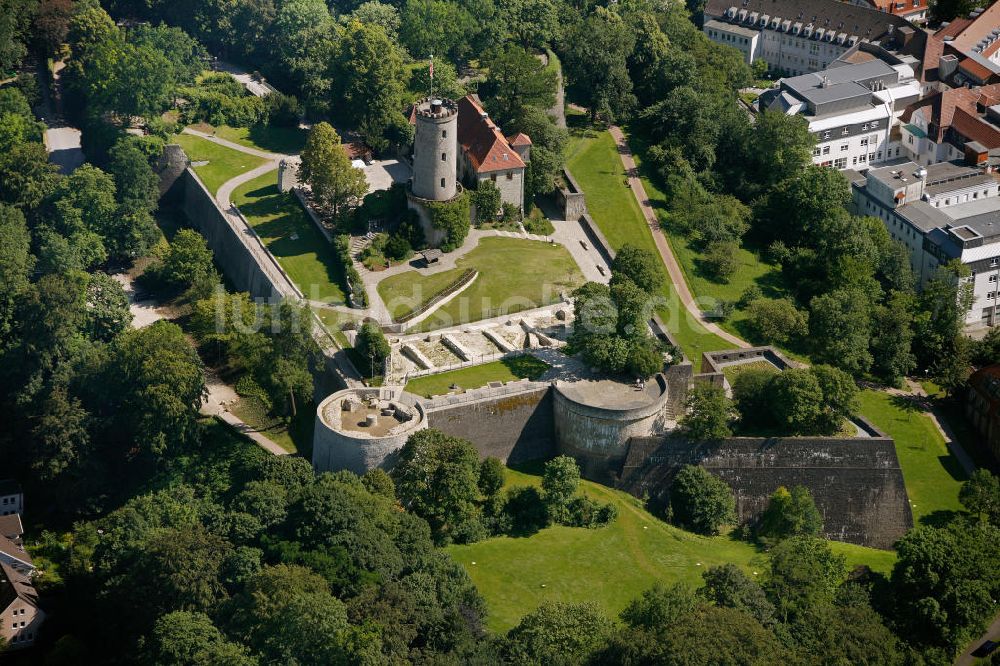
(484, 153)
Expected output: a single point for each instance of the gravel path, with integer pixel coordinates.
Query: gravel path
(673, 268)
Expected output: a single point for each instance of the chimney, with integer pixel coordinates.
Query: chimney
(947, 65)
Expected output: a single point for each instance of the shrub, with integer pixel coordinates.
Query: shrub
(526, 510)
(720, 260)
(789, 514)
(776, 320)
(487, 201)
(749, 295)
(452, 217)
(371, 342)
(585, 512)
(282, 110)
(700, 501)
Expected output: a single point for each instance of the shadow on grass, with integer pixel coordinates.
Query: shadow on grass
(277, 139)
(939, 518)
(910, 403)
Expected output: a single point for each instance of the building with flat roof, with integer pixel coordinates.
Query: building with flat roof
(941, 212)
(851, 109)
(802, 36)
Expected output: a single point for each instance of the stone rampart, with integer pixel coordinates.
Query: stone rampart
(857, 483)
(570, 198)
(231, 251)
(596, 432)
(513, 423)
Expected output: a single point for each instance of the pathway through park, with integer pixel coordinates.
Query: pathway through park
(666, 254)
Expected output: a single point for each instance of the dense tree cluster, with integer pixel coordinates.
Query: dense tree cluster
(611, 327)
(441, 479)
(807, 401)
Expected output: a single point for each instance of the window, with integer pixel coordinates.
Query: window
(871, 157)
(864, 128)
(826, 135)
(854, 161)
(510, 175)
(991, 294)
(826, 150)
(840, 163)
(864, 141)
(994, 261)
(874, 124)
(444, 134)
(444, 157)
(862, 158)
(816, 151)
(846, 131)
(442, 182)
(993, 278)
(843, 147)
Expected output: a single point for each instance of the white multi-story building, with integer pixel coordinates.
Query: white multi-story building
(851, 109)
(941, 212)
(801, 36)
(11, 497)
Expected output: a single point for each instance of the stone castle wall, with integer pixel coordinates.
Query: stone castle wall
(857, 483)
(512, 426)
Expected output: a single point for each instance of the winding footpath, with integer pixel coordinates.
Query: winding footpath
(666, 254)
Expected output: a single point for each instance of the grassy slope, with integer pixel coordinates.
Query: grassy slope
(609, 566)
(513, 273)
(223, 163)
(752, 269)
(932, 475)
(308, 259)
(292, 435)
(505, 370)
(594, 162)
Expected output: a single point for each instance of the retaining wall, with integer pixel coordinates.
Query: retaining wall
(513, 423)
(570, 198)
(231, 248)
(857, 483)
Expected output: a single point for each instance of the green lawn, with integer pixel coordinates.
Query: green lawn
(595, 164)
(223, 163)
(751, 269)
(292, 238)
(293, 435)
(286, 140)
(505, 370)
(514, 275)
(932, 475)
(609, 566)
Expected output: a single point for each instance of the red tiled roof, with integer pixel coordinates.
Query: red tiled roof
(973, 129)
(889, 6)
(942, 106)
(482, 141)
(954, 29)
(978, 28)
(973, 68)
(933, 51)
(519, 139)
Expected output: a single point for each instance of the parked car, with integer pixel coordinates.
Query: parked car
(986, 649)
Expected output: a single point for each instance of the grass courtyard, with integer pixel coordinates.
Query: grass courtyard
(505, 370)
(223, 163)
(610, 565)
(932, 475)
(593, 160)
(514, 275)
(292, 238)
(293, 435)
(284, 140)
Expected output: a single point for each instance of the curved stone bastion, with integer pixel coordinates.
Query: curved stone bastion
(360, 429)
(594, 420)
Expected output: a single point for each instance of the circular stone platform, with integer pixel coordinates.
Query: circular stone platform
(360, 429)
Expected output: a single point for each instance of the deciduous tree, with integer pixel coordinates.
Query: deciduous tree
(701, 501)
(327, 169)
(708, 414)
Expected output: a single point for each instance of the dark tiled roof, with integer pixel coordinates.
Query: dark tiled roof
(15, 585)
(11, 549)
(482, 141)
(10, 526)
(863, 22)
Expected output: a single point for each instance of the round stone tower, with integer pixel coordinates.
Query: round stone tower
(435, 149)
